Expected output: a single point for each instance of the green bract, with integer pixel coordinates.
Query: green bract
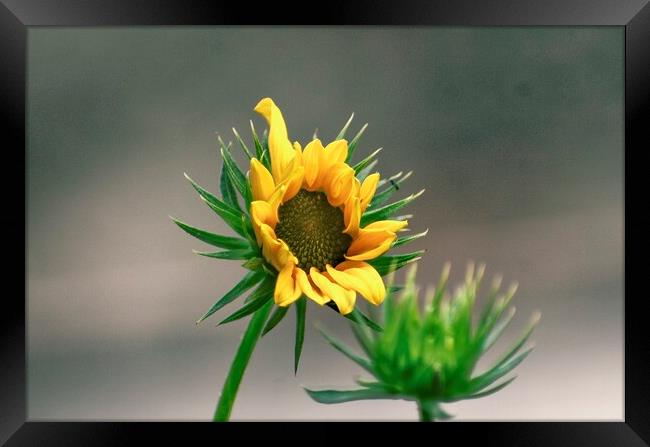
(429, 355)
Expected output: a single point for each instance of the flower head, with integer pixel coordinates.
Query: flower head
(429, 355)
(307, 216)
(309, 224)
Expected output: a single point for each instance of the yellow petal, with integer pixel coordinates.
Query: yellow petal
(286, 289)
(261, 213)
(275, 201)
(338, 183)
(344, 298)
(310, 160)
(298, 153)
(370, 244)
(368, 189)
(275, 250)
(308, 288)
(387, 225)
(279, 145)
(333, 154)
(293, 183)
(357, 187)
(337, 151)
(352, 217)
(262, 182)
(359, 276)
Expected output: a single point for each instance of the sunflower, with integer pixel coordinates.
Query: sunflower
(309, 224)
(306, 213)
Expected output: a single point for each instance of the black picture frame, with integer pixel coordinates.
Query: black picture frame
(17, 15)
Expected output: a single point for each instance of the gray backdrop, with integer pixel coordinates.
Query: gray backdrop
(516, 134)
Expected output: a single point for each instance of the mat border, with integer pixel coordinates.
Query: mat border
(17, 15)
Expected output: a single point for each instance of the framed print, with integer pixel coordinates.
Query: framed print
(500, 141)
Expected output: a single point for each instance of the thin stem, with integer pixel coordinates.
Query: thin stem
(425, 410)
(239, 363)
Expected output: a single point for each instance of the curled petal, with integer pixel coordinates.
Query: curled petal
(352, 216)
(367, 190)
(336, 151)
(261, 179)
(344, 298)
(311, 160)
(275, 250)
(308, 288)
(359, 276)
(262, 214)
(280, 147)
(286, 289)
(339, 183)
(275, 201)
(370, 244)
(293, 183)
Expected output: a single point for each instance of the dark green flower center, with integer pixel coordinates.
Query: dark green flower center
(313, 230)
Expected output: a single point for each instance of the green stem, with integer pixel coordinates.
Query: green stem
(425, 410)
(239, 363)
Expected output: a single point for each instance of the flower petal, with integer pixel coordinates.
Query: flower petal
(261, 179)
(352, 217)
(337, 151)
(338, 183)
(333, 154)
(293, 183)
(275, 250)
(370, 244)
(387, 225)
(368, 189)
(310, 160)
(359, 276)
(261, 213)
(308, 288)
(280, 147)
(344, 298)
(286, 289)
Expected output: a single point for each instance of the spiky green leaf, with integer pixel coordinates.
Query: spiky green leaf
(342, 348)
(217, 240)
(227, 189)
(365, 172)
(259, 150)
(366, 161)
(258, 298)
(387, 211)
(495, 373)
(229, 254)
(382, 197)
(237, 177)
(277, 316)
(389, 263)
(341, 134)
(230, 215)
(492, 390)
(403, 240)
(337, 397)
(242, 144)
(249, 280)
(358, 317)
(352, 147)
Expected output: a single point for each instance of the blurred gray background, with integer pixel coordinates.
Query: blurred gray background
(516, 134)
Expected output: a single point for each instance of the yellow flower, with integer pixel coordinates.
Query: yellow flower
(306, 214)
